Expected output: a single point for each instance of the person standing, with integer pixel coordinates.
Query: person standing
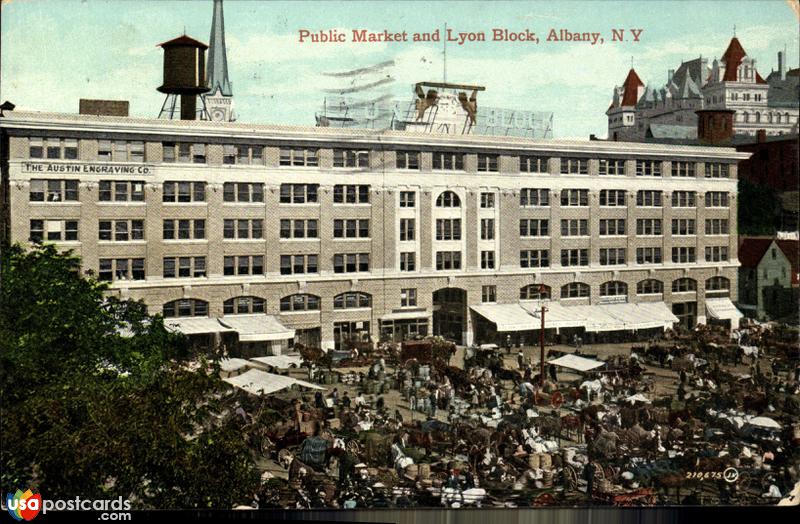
(508, 344)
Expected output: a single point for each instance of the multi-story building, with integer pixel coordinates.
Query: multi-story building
(731, 83)
(336, 234)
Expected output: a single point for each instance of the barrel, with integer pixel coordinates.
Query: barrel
(534, 461)
(546, 461)
(424, 471)
(412, 470)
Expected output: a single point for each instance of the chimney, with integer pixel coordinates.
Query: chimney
(103, 107)
(761, 136)
(781, 65)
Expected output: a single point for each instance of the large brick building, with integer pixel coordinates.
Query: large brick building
(341, 234)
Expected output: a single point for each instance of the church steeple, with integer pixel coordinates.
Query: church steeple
(219, 99)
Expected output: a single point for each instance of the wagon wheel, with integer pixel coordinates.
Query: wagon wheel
(570, 478)
(354, 447)
(610, 472)
(599, 474)
(545, 499)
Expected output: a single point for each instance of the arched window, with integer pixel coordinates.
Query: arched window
(650, 286)
(300, 302)
(575, 290)
(769, 118)
(352, 300)
(683, 285)
(613, 288)
(758, 117)
(186, 307)
(778, 118)
(718, 284)
(243, 305)
(746, 117)
(448, 199)
(535, 292)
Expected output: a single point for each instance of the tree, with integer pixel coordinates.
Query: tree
(99, 399)
(759, 209)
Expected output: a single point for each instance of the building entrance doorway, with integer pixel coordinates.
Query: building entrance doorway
(450, 314)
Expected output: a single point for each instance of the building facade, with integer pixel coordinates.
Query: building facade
(344, 235)
(639, 112)
(769, 278)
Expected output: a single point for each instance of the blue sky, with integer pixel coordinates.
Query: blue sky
(57, 51)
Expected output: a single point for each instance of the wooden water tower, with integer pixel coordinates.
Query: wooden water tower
(184, 77)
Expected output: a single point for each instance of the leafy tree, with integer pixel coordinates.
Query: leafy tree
(759, 209)
(100, 400)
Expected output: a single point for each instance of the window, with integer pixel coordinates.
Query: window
(243, 265)
(184, 267)
(448, 199)
(574, 257)
(574, 197)
(298, 228)
(407, 261)
(534, 258)
(408, 199)
(242, 192)
(574, 227)
(648, 226)
(533, 164)
(612, 197)
(535, 292)
(650, 287)
(684, 199)
(716, 253)
(489, 294)
(350, 158)
(298, 193)
(684, 285)
(408, 297)
(648, 255)
(300, 302)
(534, 227)
(487, 163)
(448, 229)
(612, 226)
(717, 170)
(648, 198)
(716, 199)
(448, 260)
(683, 226)
(186, 229)
(53, 148)
(648, 168)
(575, 290)
(350, 194)
(242, 154)
(448, 161)
(575, 166)
(243, 228)
(612, 167)
(121, 230)
(716, 226)
(406, 229)
(613, 288)
(534, 197)
(53, 190)
(407, 159)
(243, 305)
(718, 284)
(487, 200)
(120, 269)
(35, 147)
(298, 157)
(683, 255)
(612, 256)
(487, 259)
(351, 228)
(53, 230)
(183, 192)
(186, 307)
(351, 263)
(298, 264)
(683, 169)
(487, 229)
(352, 300)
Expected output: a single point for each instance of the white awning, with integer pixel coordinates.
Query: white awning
(556, 316)
(196, 325)
(644, 315)
(279, 361)
(262, 383)
(577, 363)
(604, 317)
(507, 317)
(406, 315)
(257, 328)
(722, 308)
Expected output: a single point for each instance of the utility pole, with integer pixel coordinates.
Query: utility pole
(541, 337)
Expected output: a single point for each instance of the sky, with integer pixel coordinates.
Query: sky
(53, 52)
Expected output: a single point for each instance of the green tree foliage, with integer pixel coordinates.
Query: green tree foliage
(87, 411)
(759, 209)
